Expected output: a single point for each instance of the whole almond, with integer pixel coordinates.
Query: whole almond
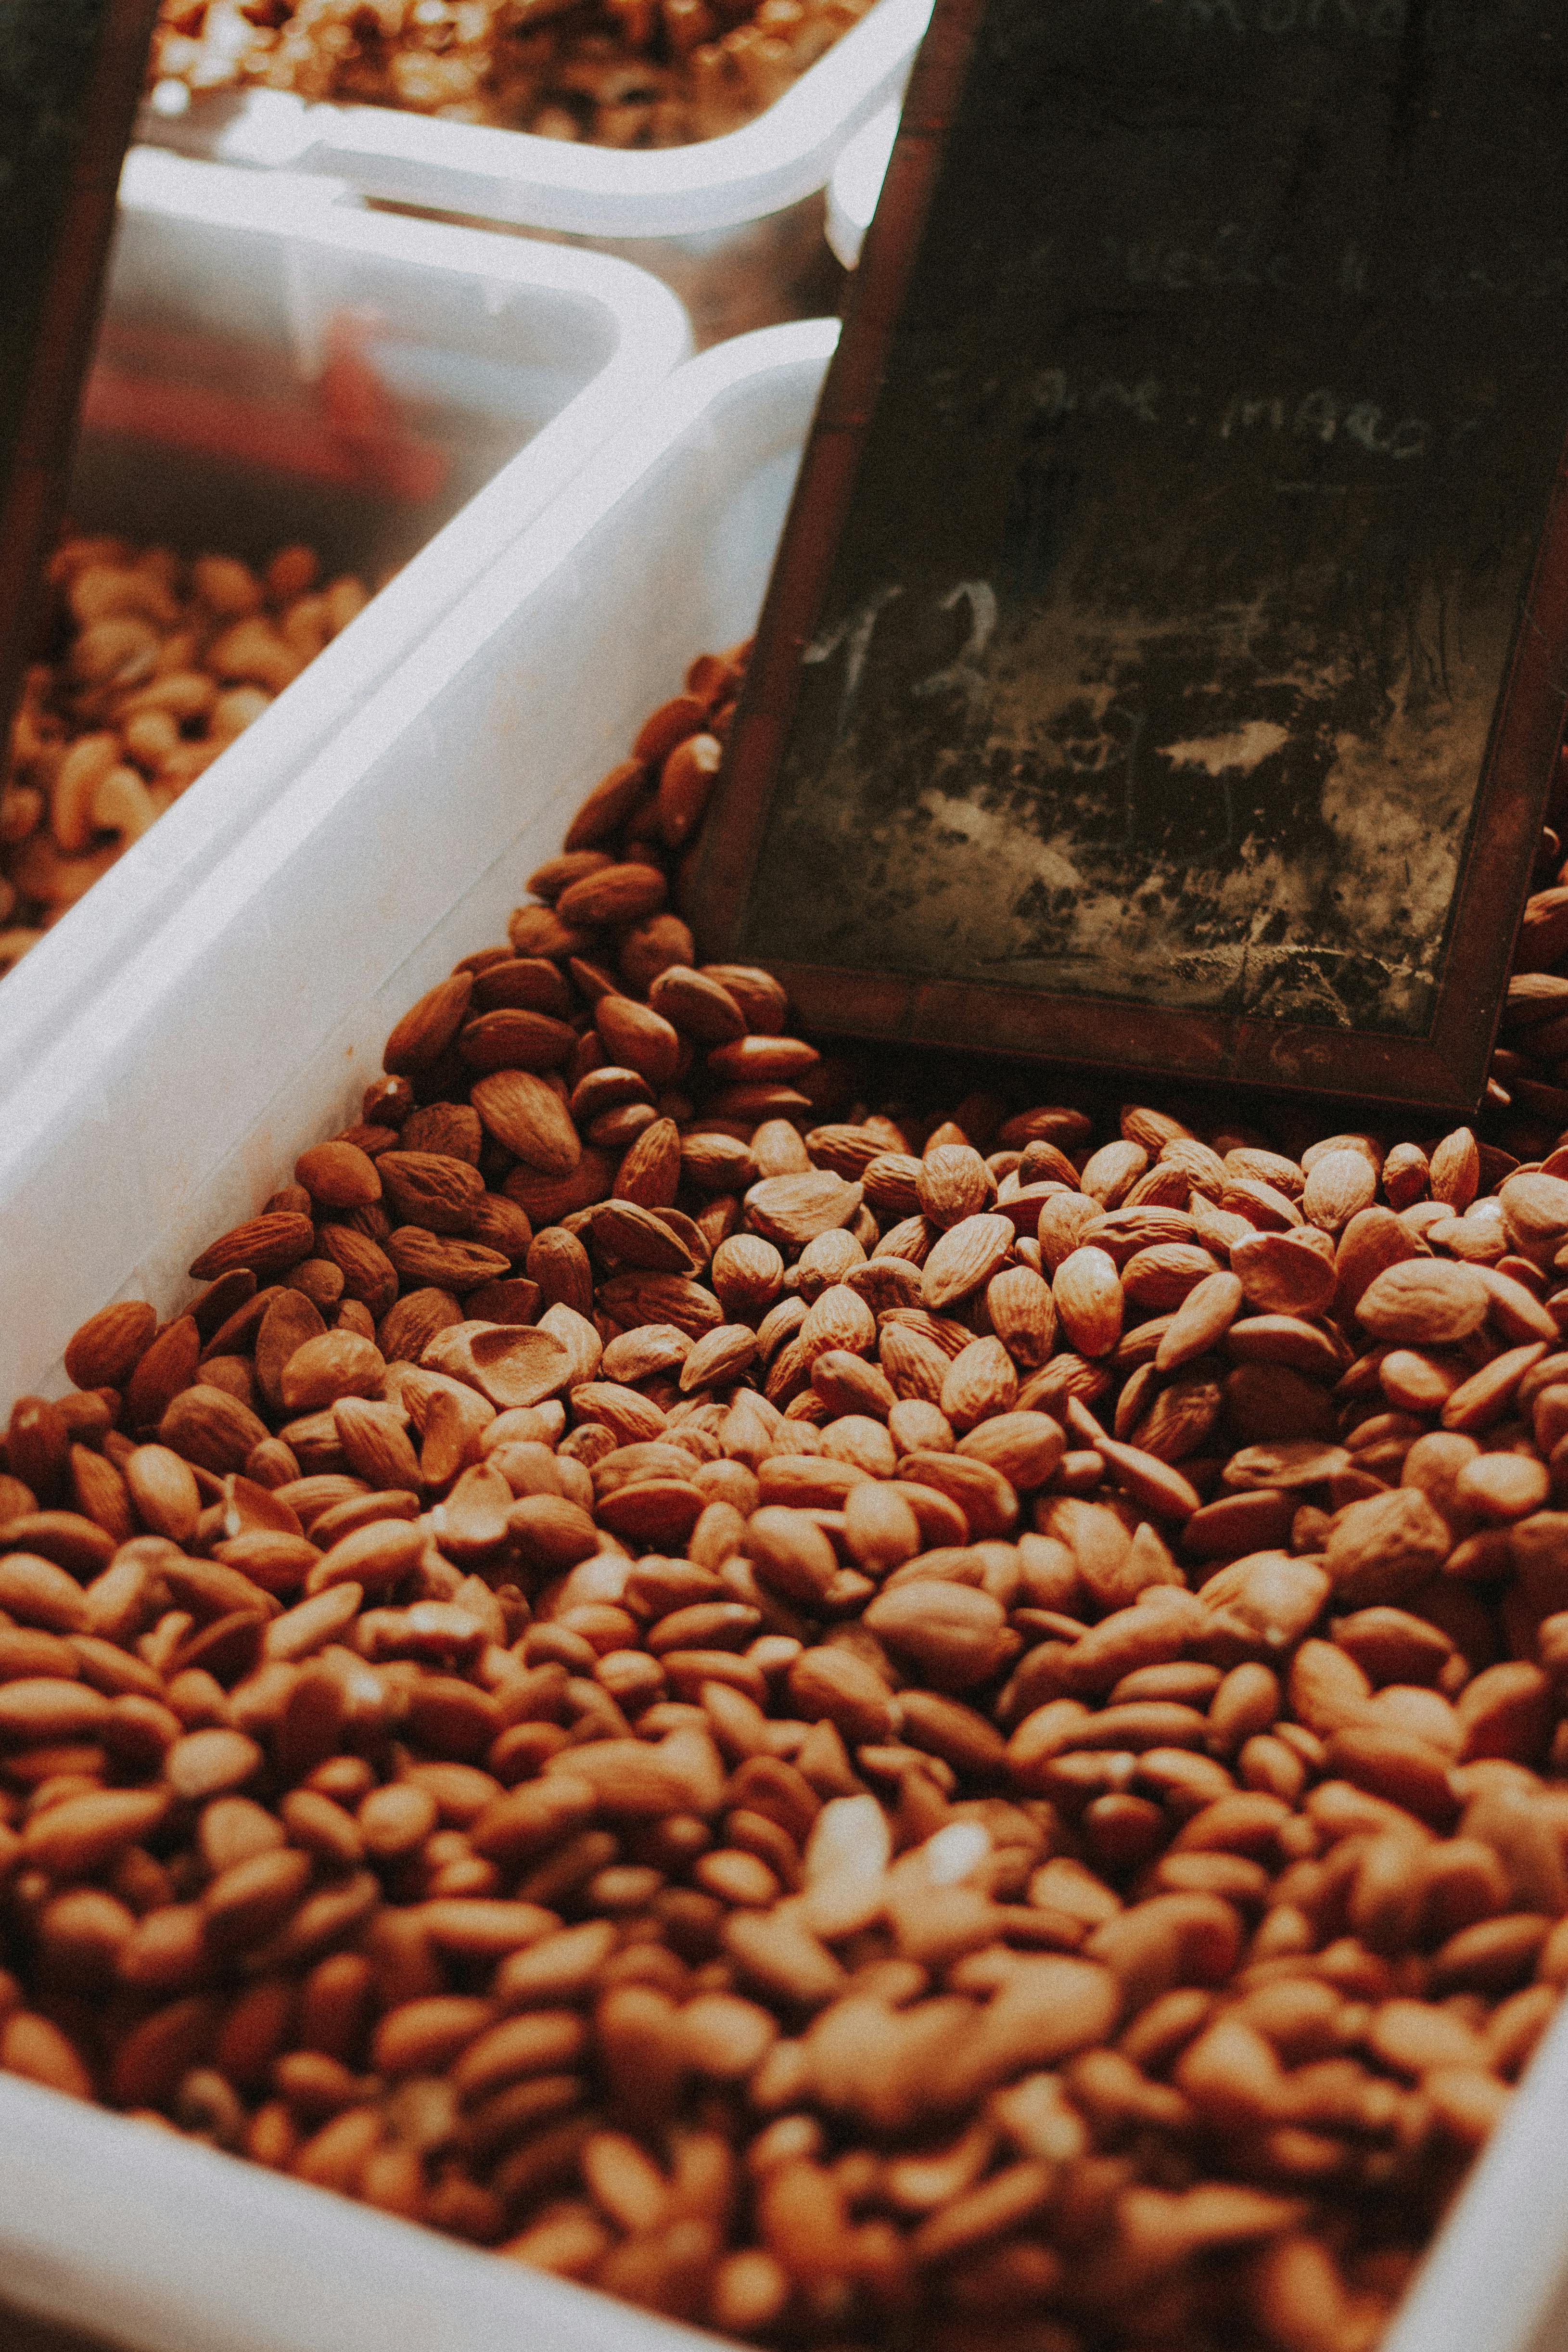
(1023, 1314)
(1087, 1289)
(515, 1038)
(637, 1037)
(1455, 1169)
(164, 1488)
(442, 1262)
(1161, 1275)
(375, 1443)
(335, 1364)
(953, 1183)
(431, 1189)
(650, 1175)
(1026, 1448)
(427, 1028)
(211, 1428)
(748, 1273)
(791, 1211)
(981, 1381)
(528, 1119)
(105, 1351)
(1110, 1173)
(719, 1358)
(267, 1245)
(407, 1327)
(337, 1175)
(1282, 1275)
(964, 1258)
(697, 1006)
(1425, 1302)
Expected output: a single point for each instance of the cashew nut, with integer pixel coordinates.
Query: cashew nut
(14, 946)
(121, 804)
(226, 587)
(291, 572)
(234, 711)
(119, 652)
(80, 773)
(253, 651)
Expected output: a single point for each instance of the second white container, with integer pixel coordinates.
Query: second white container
(503, 366)
(734, 225)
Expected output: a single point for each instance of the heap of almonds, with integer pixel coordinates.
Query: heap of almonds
(160, 663)
(617, 73)
(868, 1729)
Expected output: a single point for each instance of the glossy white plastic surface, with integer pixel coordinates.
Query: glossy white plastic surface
(181, 1099)
(716, 184)
(509, 362)
(856, 185)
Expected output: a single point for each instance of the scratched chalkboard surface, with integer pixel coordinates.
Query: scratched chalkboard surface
(1158, 667)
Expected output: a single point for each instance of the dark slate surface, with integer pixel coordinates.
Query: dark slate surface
(1164, 639)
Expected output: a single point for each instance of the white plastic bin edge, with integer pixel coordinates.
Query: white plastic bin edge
(512, 175)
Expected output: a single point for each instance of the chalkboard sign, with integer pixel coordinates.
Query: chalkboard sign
(71, 73)
(1166, 655)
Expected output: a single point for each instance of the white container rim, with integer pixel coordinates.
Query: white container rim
(786, 153)
(650, 334)
(856, 185)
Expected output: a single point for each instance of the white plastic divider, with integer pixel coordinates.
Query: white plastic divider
(521, 347)
(167, 2246)
(511, 175)
(245, 1030)
(856, 185)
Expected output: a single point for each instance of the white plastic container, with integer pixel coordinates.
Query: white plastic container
(732, 223)
(509, 364)
(856, 185)
(246, 1030)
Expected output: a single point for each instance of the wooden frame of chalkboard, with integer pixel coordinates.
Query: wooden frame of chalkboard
(69, 87)
(1443, 1070)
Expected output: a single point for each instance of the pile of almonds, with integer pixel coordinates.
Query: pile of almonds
(616, 73)
(867, 1728)
(159, 664)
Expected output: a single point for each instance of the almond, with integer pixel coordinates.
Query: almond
(1088, 1294)
(337, 1175)
(1282, 1275)
(638, 1037)
(953, 1182)
(1455, 1169)
(106, 1350)
(981, 1381)
(211, 1428)
(1339, 1184)
(1025, 1448)
(267, 1245)
(697, 1006)
(288, 1322)
(528, 1119)
(369, 1274)
(1425, 1302)
(719, 1358)
(428, 1028)
(791, 1211)
(964, 1258)
(442, 1261)
(336, 1364)
(431, 1189)
(650, 1175)
(626, 1232)
(1385, 1547)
